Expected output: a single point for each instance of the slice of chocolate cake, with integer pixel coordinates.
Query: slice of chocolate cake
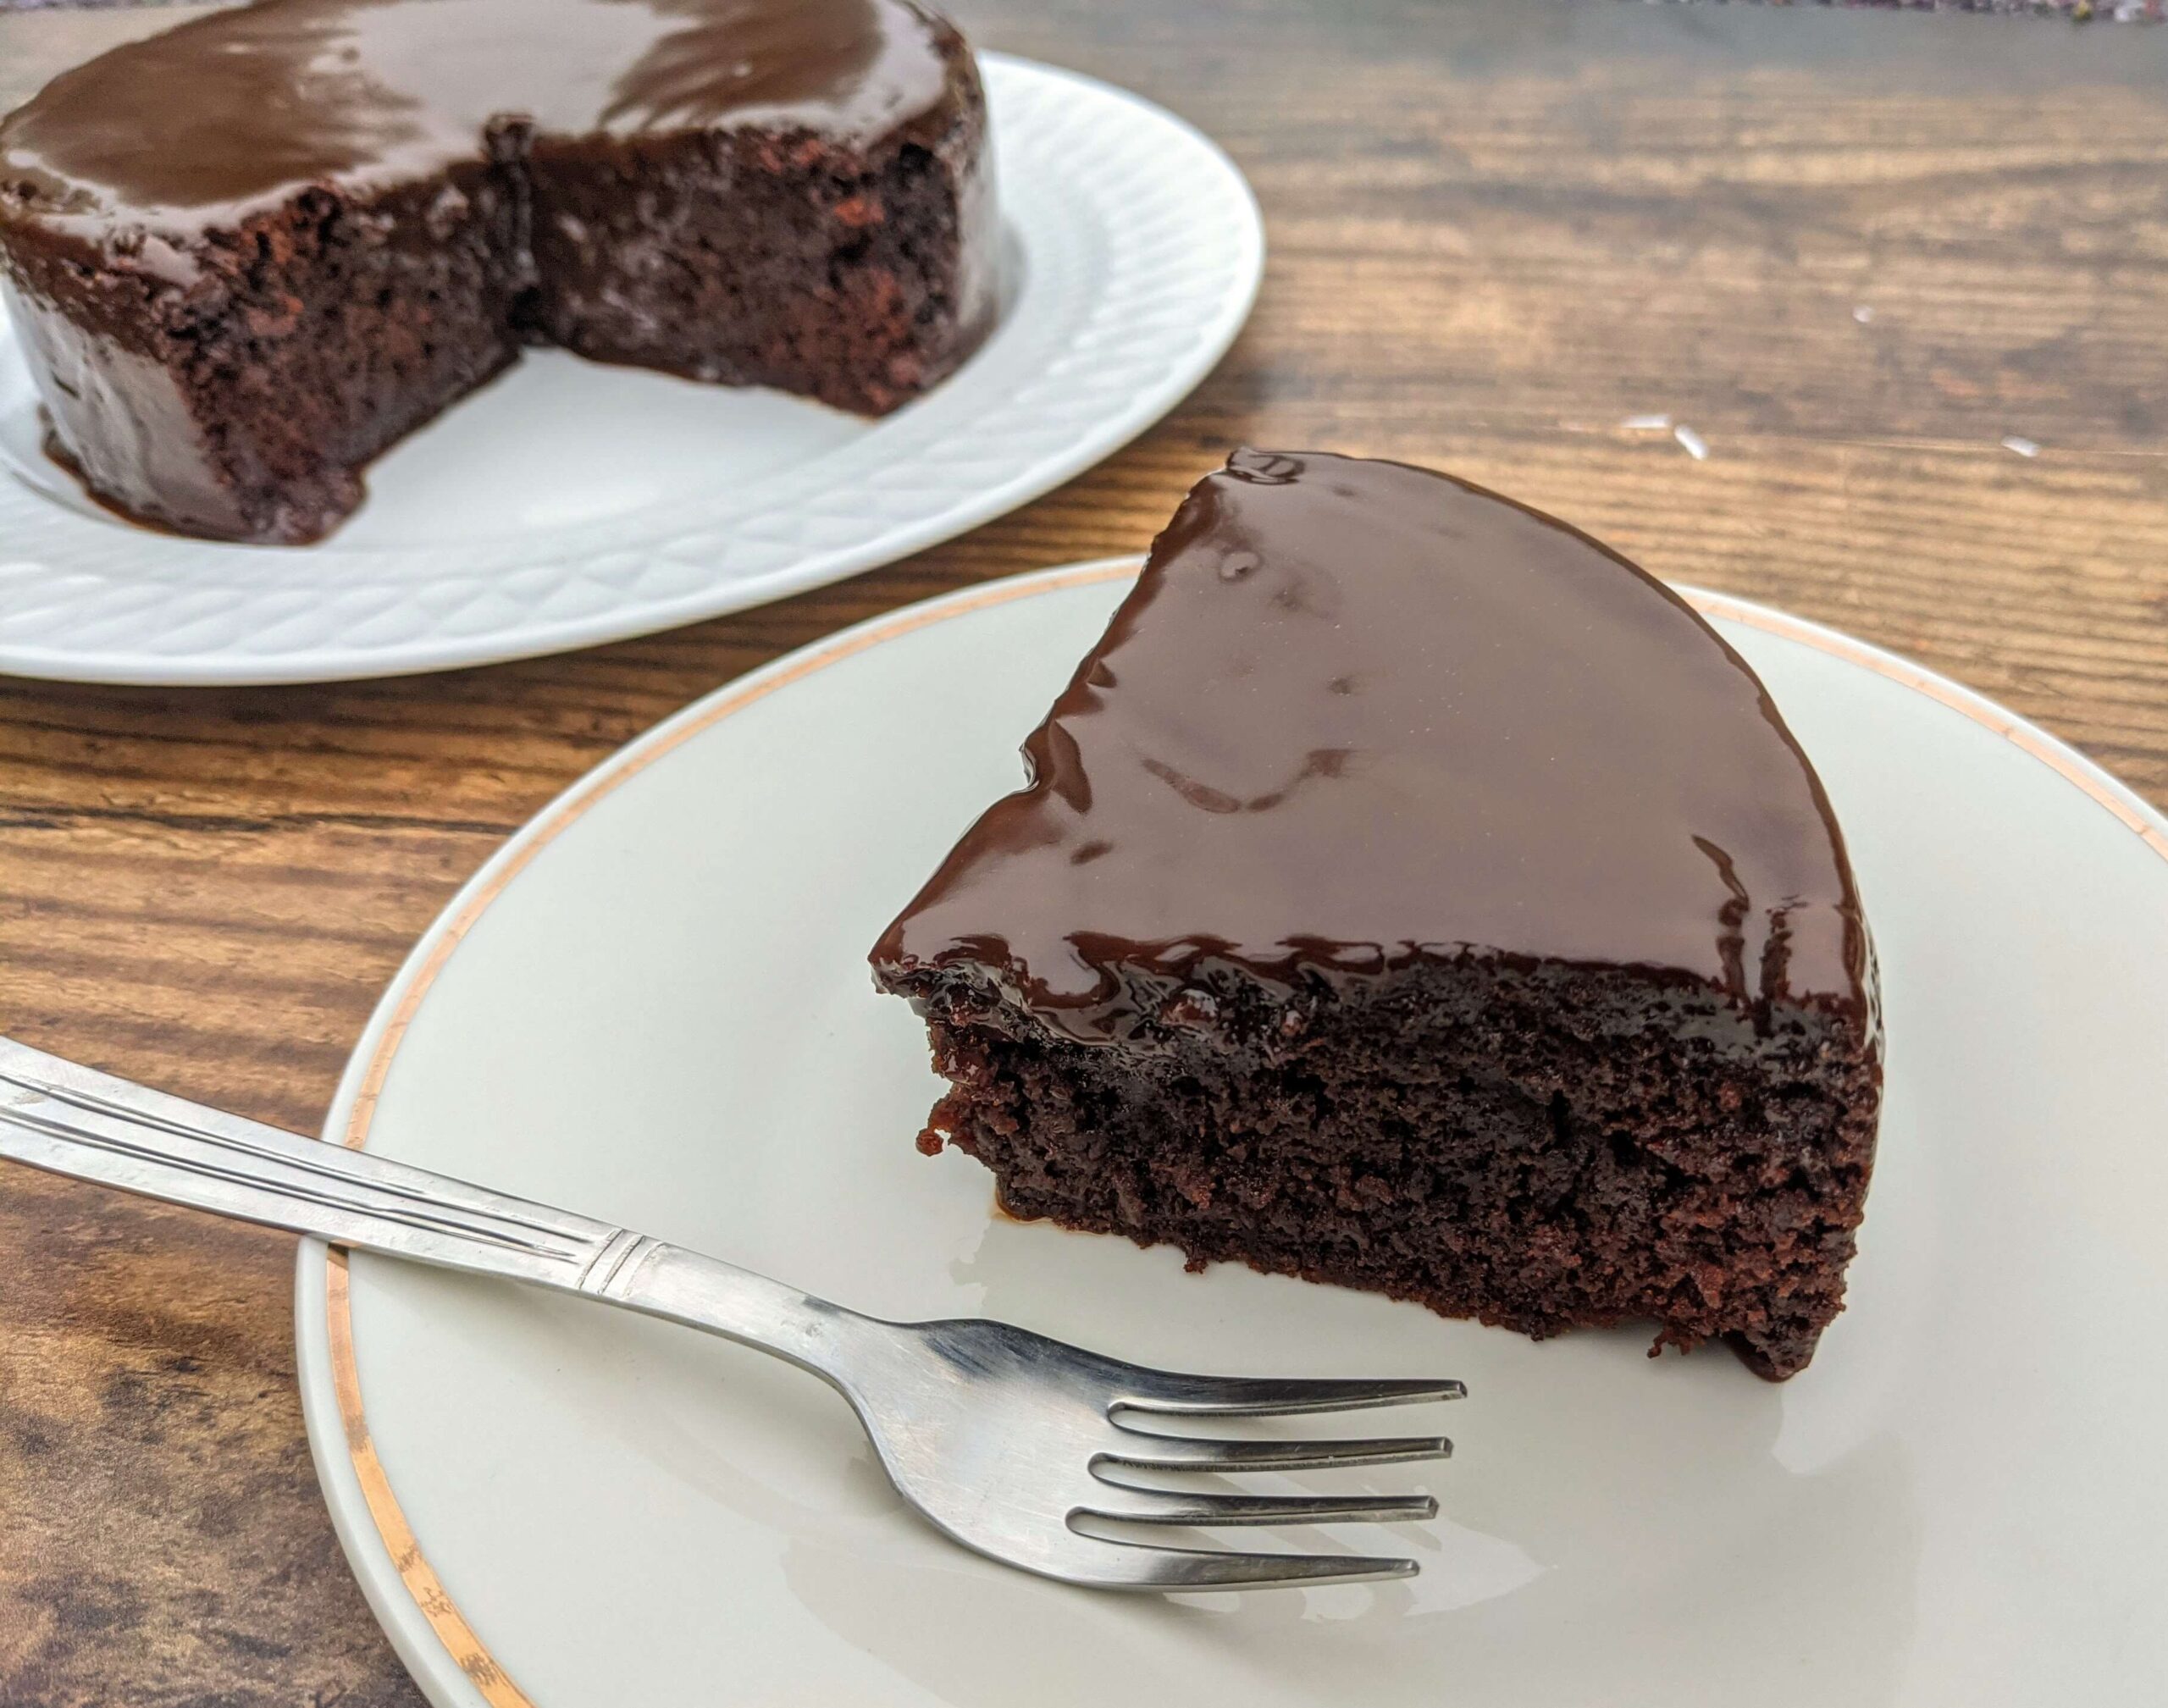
(1411, 894)
(246, 256)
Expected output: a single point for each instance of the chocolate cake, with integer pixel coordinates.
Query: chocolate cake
(1411, 894)
(246, 255)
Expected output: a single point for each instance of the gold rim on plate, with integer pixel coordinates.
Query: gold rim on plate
(459, 1638)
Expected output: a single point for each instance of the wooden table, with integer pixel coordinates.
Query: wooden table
(1872, 260)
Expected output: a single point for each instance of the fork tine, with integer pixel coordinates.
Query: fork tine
(1134, 1506)
(1142, 1566)
(1268, 1396)
(1141, 1447)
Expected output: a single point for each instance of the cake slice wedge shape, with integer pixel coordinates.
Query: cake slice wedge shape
(1410, 893)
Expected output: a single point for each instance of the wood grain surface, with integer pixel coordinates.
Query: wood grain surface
(1854, 252)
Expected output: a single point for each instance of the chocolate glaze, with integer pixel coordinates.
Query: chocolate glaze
(194, 130)
(1357, 716)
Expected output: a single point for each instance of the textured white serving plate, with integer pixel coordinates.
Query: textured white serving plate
(568, 503)
(653, 1006)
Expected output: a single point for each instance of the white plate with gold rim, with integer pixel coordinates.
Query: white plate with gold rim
(652, 1006)
(567, 504)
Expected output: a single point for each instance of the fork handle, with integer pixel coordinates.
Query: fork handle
(91, 1126)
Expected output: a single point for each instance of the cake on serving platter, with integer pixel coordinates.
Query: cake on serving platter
(246, 255)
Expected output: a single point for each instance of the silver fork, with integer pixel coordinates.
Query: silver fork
(1002, 1439)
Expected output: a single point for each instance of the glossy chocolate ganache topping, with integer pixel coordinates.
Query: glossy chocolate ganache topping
(1356, 714)
(196, 128)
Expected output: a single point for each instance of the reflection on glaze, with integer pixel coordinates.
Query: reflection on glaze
(191, 129)
(1357, 714)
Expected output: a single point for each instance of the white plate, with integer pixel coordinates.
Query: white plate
(653, 1006)
(568, 504)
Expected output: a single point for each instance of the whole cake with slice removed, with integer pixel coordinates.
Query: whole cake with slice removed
(1411, 894)
(246, 255)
